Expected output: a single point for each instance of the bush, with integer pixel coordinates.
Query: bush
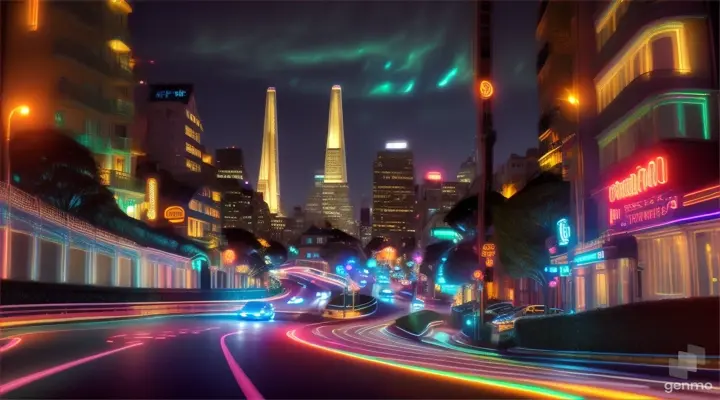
(360, 299)
(653, 327)
(417, 322)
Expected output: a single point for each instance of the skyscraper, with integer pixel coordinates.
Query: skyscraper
(237, 195)
(336, 197)
(314, 204)
(393, 209)
(269, 179)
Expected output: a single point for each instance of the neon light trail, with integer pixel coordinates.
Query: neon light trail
(654, 174)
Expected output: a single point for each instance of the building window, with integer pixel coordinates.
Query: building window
(92, 127)
(579, 293)
(195, 120)
(192, 134)
(195, 205)
(665, 260)
(193, 150)
(119, 164)
(660, 47)
(707, 250)
(60, 119)
(192, 165)
(196, 228)
(601, 289)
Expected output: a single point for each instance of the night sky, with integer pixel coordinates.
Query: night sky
(405, 70)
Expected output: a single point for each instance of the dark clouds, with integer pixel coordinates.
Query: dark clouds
(389, 57)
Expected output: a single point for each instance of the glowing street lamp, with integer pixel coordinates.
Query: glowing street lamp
(573, 100)
(24, 111)
(486, 90)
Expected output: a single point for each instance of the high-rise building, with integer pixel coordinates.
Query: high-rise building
(78, 78)
(365, 226)
(337, 209)
(468, 170)
(452, 192)
(314, 204)
(393, 210)
(269, 179)
(557, 88)
(174, 133)
(230, 163)
(237, 194)
(512, 176)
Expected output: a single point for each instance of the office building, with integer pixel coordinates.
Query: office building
(230, 164)
(314, 204)
(393, 206)
(468, 170)
(71, 64)
(269, 179)
(174, 133)
(337, 209)
(365, 228)
(237, 193)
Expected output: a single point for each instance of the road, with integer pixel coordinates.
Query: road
(293, 357)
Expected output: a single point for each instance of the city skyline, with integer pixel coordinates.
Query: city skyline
(306, 61)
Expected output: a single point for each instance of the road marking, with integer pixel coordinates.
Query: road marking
(27, 379)
(245, 384)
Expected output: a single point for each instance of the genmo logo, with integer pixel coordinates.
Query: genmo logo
(646, 177)
(687, 386)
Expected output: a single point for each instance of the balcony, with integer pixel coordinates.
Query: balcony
(123, 108)
(121, 181)
(84, 96)
(645, 86)
(104, 144)
(637, 17)
(83, 55)
(542, 57)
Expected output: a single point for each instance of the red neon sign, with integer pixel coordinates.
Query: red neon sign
(655, 173)
(433, 176)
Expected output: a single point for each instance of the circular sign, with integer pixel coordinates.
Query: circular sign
(478, 274)
(486, 89)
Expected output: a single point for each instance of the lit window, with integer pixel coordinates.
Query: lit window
(192, 166)
(193, 150)
(192, 134)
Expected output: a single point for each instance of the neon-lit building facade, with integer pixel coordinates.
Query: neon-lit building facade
(78, 78)
(269, 178)
(336, 194)
(655, 185)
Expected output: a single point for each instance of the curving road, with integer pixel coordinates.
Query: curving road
(293, 357)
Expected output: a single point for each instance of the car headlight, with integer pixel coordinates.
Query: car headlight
(243, 314)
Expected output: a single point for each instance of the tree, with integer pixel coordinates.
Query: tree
(62, 172)
(341, 247)
(463, 215)
(525, 221)
(276, 252)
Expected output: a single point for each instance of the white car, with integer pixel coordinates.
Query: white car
(296, 300)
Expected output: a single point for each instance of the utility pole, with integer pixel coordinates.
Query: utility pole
(485, 140)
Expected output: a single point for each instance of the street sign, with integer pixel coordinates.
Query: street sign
(478, 275)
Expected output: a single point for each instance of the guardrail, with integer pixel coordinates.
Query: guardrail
(34, 314)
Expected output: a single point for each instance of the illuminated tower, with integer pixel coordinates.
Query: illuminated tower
(269, 179)
(336, 198)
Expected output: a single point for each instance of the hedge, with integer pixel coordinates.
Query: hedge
(417, 322)
(653, 327)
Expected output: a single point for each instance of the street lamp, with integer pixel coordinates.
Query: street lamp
(24, 111)
(573, 100)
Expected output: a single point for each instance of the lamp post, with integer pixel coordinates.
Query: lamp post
(23, 110)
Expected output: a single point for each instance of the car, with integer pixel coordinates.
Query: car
(386, 292)
(257, 310)
(323, 295)
(418, 304)
(295, 300)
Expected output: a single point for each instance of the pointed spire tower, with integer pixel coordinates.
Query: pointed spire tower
(269, 179)
(336, 196)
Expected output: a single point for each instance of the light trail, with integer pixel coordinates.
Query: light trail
(245, 384)
(374, 340)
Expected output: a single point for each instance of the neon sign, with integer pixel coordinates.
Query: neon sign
(174, 214)
(589, 258)
(152, 193)
(488, 251)
(563, 232)
(640, 181)
(562, 270)
(643, 211)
